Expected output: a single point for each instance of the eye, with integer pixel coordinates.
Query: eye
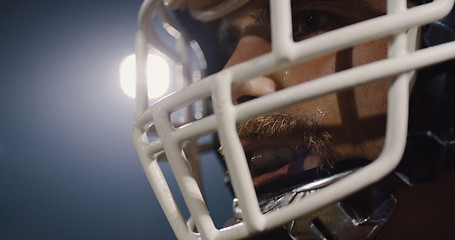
(309, 23)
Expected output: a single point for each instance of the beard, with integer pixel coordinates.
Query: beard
(301, 130)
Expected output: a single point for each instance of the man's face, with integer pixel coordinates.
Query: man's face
(321, 131)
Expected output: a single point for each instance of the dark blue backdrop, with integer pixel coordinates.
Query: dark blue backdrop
(68, 169)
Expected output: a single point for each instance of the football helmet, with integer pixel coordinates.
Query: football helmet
(170, 129)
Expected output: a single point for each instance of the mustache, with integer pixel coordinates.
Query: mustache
(304, 131)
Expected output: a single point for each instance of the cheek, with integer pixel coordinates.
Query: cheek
(335, 109)
(324, 109)
(307, 71)
(371, 98)
(369, 52)
(355, 56)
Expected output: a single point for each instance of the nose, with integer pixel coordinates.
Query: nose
(247, 48)
(251, 89)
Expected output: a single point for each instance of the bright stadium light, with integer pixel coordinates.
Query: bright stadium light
(157, 76)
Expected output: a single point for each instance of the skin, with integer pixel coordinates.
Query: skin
(354, 119)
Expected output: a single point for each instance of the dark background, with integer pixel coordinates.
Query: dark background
(68, 169)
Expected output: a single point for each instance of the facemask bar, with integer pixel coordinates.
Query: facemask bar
(206, 10)
(175, 45)
(179, 54)
(285, 52)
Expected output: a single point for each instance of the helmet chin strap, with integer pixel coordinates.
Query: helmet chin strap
(359, 216)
